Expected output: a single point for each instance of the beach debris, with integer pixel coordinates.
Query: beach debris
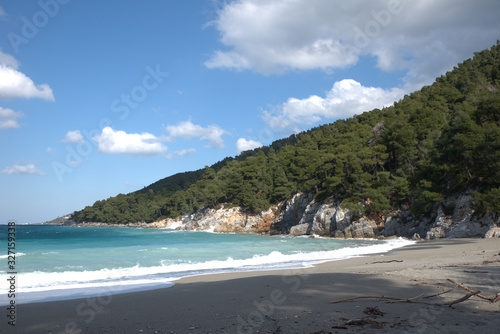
(373, 311)
(409, 300)
(470, 294)
(389, 261)
(441, 293)
(421, 283)
(491, 299)
(464, 298)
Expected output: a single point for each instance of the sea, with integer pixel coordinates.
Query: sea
(62, 262)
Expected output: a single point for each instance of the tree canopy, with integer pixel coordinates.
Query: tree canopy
(433, 143)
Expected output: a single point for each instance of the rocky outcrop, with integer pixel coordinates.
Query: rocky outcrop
(455, 219)
(402, 223)
(493, 232)
(302, 215)
(225, 220)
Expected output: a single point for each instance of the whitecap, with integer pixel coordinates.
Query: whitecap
(15, 254)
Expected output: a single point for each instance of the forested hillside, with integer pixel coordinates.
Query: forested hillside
(439, 141)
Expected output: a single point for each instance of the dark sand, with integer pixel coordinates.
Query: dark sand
(297, 301)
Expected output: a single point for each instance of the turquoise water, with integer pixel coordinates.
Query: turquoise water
(57, 262)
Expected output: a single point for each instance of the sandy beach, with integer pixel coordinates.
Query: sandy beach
(298, 301)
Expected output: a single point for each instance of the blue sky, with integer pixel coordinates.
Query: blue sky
(99, 98)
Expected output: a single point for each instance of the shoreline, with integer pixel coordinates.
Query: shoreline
(297, 300)
(62, 293)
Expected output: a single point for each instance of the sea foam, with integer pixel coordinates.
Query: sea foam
(44, 281)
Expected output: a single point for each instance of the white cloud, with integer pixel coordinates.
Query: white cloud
(187, 130)
(120, 142)
(243, 144)
(2, 12)
(181, 153)
(73, 137)
(8, 60)
(188, 151)
(272, 36)
(29, 169)
(14, 84)
(423, 37)
(345, 99)
(8, 118)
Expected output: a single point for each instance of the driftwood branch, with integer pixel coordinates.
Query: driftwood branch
(442, 293)
(407, 300)
(464, 298)
(372, 297)
(491, 299)
(390, 261)
(415, 299)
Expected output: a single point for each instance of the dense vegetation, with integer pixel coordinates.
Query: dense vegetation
(439, 141)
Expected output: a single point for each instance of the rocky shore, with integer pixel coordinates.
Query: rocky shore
(302, 215)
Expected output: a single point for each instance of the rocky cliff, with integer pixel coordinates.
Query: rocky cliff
(226, 220)
(302, 215)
